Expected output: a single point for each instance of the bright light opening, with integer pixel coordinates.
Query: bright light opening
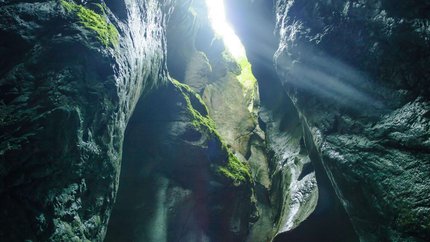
(233, 44)
(221, 27)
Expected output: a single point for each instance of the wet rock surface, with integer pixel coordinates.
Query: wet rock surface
(368, 116)
(355, 71)
(170, 186)
(333, 140)
(76, 74)
(285, 190)
(65, 101)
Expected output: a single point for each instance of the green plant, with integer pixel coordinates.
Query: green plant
(199, 121)
(246, 78)
(247, 81)
(235, 170)
(106, 32)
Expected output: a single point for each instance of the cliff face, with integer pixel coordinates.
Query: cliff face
(171, 185)
(178, 169)
(129, 121)
(70, 76)
(284, 186)
(356, 74)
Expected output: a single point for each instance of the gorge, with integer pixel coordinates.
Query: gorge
(133, 120)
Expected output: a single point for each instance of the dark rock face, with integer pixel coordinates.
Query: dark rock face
(356, 73)
(292, 161)
(170, 187)
(66, 98)
(341, 126)
(75, 76)
(368, 116)
(284, 187)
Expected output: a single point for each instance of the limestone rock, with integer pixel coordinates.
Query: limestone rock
(356, 74)
(170, 187)
(66, 98)
(285, 190)
(368, 116)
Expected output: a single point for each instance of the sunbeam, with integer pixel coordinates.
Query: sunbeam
(216, 12)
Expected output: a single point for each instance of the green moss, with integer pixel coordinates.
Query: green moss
(199, 121)
(106, 32)
(246, 78)
(235, 170)
(248, 81)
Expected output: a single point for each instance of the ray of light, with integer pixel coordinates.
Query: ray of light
(221, 27)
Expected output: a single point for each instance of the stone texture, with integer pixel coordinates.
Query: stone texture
(65, 102)
(342, 124)
(294, 171)
(368, 116)
(285, 189)
(170, 186)
(356, 73)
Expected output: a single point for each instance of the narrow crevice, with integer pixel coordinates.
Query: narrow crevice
(136, 187)
(329, 221)
(306, 170)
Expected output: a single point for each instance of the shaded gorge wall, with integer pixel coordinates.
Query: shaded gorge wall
(128, 121)
(354, 72)
(66, 97)
(164, 144)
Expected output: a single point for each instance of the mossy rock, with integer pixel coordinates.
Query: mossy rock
(233, 169)
(106, 32)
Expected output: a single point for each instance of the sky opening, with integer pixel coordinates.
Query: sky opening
(222, 28)
(216, 12)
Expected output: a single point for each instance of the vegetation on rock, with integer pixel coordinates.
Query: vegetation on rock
(247, 81)
(246, 78)
(199, 120)
(106, 32)
(235, 170)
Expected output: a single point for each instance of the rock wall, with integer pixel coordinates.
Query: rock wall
(285, 190)
(72, 74)
(181, 180)
(356, 74)
(171, 187)
(369, 117)
(337, 125)
(70, 77)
